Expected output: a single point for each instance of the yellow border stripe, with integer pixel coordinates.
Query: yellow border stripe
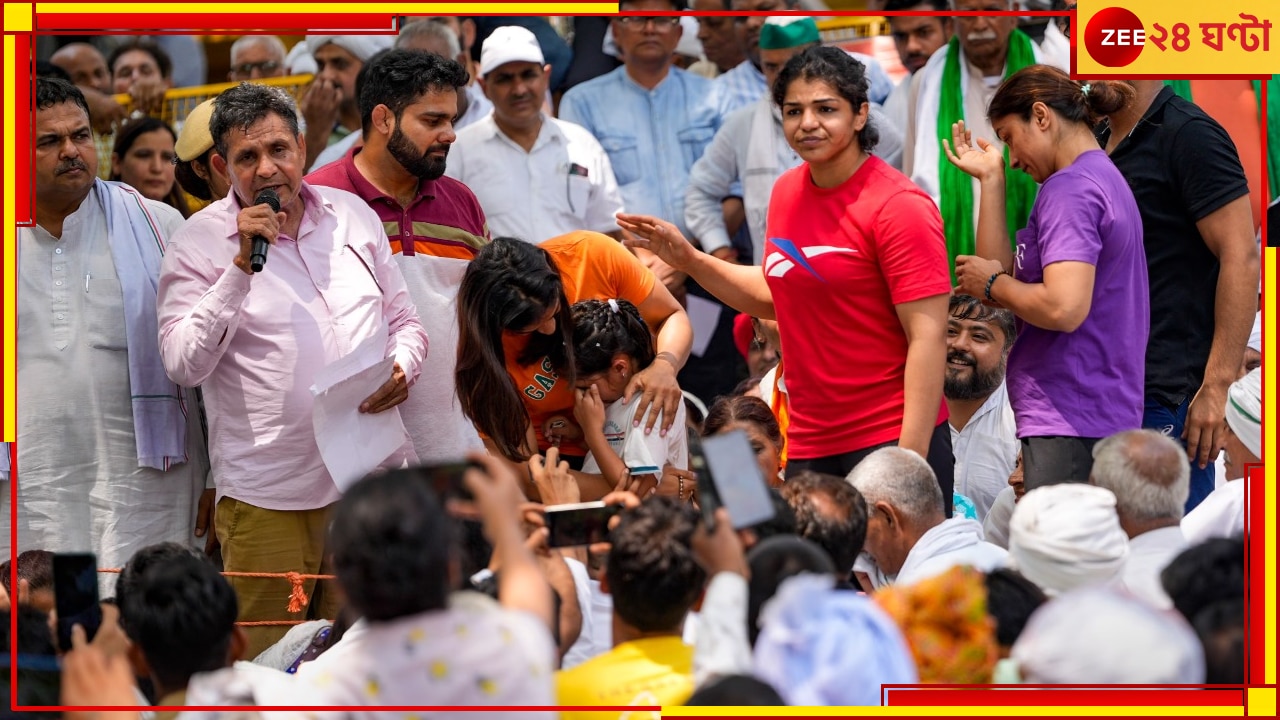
(10, 242)
(18, 17)
(373, 8)
(1268, 596)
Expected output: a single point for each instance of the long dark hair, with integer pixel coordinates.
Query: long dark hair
(125, 139)
(604, 328)
(510, 285)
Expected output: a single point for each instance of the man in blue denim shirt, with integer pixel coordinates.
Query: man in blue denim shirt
(654, 121)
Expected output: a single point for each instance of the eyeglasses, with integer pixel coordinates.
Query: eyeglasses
(247, 69)
(640, 21)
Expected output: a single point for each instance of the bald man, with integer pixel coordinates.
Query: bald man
(88, 70)
(1149, 474)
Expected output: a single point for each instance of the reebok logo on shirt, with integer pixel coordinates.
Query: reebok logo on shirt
(788, 256)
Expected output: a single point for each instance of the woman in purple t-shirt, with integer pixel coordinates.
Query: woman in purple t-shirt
(1076, 277)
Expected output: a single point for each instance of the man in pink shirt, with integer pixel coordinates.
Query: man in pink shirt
(255, 342)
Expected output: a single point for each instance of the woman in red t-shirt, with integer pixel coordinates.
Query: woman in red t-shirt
(855, 272)
(515, 346)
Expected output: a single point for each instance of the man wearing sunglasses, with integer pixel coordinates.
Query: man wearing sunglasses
(254, 57)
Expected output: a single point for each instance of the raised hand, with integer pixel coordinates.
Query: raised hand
(979, 159)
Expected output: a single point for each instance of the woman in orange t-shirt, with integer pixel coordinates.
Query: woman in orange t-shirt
(515, 345)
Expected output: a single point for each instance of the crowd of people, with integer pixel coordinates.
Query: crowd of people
(990, 333)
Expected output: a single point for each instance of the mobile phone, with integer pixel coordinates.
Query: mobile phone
(579, 524)
(708, 498)
(446, 478)
(75, 595)
(735, 479)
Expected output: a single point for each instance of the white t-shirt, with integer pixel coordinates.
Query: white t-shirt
(643, 454)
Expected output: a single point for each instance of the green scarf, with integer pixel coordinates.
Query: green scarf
(1182, 88)
(955, 186)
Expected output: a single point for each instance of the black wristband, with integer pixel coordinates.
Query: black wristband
(991, 281)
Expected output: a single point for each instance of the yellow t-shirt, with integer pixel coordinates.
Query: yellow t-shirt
(654, 671)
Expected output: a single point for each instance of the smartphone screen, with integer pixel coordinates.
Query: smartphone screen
(734, 473)
(579, 524)
(75, 594)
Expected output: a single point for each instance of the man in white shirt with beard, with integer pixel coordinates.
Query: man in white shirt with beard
(984, 436)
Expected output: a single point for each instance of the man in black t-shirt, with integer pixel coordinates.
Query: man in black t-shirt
(1202, 261)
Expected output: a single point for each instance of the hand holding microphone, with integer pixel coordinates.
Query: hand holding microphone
(259, 225)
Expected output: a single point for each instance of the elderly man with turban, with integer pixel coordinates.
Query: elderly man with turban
(1103, 636)
(1066, 536)
(1222, 512)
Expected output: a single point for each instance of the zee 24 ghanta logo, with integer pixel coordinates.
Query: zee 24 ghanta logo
(1115, 37)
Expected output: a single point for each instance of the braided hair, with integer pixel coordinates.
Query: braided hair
(604, 328)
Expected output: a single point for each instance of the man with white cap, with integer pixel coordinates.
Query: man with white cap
(1101, 636)
(751, 151)
(537, 177)
(1222, 512)
(1149, 474)
(1066, 536)
(909, 537)
(330, 106)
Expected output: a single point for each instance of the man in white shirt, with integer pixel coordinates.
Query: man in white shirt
(909, 537)
(112, 455)
(984, 436)
(958, 83)
(1150, 477)
(537, 177)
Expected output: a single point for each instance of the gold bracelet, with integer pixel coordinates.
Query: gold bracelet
(680, 488)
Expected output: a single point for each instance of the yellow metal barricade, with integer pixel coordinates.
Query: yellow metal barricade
(843, 29)
(178, 102)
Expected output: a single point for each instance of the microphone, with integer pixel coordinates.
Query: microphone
(258, 257)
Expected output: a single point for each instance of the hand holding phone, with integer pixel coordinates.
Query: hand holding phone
(732, 479)
(579, 524)
(75, 595)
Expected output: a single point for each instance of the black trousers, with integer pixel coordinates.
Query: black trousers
(940, 459)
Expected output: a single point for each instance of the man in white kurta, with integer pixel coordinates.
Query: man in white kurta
(83, 487)
(1149, 474)
(536, 177)
(921, 541)
(983, 47)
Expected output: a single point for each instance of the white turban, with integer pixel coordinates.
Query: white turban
(1066, 536)
(299, 60)
(1101, 636)
(362, 46)
(1244, 410)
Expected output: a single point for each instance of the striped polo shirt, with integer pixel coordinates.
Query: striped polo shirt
(444, 219)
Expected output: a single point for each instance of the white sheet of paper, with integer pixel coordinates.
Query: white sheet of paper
(352, 443)
(704, 316)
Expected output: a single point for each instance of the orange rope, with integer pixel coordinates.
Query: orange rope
(297, 596)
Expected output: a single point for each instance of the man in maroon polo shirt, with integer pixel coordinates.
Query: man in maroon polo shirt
(408, 102)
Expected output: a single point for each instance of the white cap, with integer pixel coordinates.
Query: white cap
(509, 43)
